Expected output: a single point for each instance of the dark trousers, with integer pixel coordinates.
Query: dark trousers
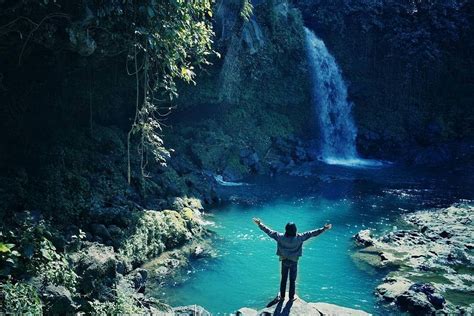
(288, 267)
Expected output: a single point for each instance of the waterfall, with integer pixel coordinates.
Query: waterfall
(333, 110)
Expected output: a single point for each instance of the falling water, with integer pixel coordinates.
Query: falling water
(338, 131)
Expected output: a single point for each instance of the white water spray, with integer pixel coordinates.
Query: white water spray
(338, 131)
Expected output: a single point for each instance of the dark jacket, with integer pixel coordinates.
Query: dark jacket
(290, 247)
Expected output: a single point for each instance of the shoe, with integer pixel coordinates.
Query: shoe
(276, 300)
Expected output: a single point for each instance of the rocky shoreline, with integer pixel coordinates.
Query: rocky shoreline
(432, 261)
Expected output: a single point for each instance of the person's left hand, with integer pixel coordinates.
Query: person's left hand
(327, 226)
(257, 221)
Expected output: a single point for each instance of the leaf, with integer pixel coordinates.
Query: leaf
(45, 253)
(5, 248)
(11, 261)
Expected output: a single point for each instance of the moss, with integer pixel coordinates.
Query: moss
(188, 214)
(462, 298)
(154, 233)
(429, 278)
(147, 239)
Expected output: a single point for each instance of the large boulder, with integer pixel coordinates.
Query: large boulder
(58, 300)
(232, 174)
(393, 287)
(138, 279)
(191, 310)
(364, 238)
(98, 267)
(249, 158)
(416, 303)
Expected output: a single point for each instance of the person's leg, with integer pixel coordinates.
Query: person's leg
(284, 277)
(293, 272)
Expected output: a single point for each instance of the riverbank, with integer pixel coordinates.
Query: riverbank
(431, 260)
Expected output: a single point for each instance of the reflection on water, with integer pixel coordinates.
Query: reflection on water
(246, 271)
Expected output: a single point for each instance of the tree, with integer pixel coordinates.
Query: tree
(162, 41)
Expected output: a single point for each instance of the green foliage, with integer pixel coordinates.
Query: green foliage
(170, 41)
(125, 301)
(19, 299)
(8, 258)
(53, 267)
(230, 111)
(247, 10)
(163, 41)
(154, 233)
(35, 255)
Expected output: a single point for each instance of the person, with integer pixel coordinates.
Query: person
(289, 249)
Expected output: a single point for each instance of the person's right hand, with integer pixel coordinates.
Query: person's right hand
(327, 226)
(257, 220)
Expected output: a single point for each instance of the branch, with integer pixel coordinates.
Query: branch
(49, 16)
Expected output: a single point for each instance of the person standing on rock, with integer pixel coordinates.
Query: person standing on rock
(289, 249)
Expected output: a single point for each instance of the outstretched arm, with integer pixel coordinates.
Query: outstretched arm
(271, 233)
(316, 232)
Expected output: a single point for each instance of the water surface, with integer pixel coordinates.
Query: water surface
(246, 270)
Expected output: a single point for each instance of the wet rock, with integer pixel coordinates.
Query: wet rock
(364, 238)
(249, 158)
(445, 234)
(423, 288)
(433, 250)
(393, 287)
(231, 174)
(199, 252)
(415, 302)
(277, 166)
(437, 300)
(191, 310)
(138, 278)
(181, 202)
(203, 250)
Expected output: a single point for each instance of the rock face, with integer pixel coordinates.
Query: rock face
(432, 261)
(300, 307)
(59, 299)
(98, 267)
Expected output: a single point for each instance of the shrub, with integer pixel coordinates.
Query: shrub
(19, 299)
